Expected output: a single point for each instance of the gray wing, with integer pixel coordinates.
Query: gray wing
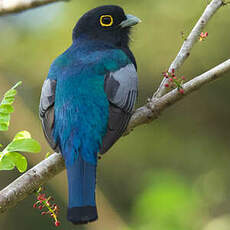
(46, 110)
(121, 90)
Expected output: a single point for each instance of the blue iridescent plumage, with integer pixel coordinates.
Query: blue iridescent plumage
(83, 66)
(87, 100)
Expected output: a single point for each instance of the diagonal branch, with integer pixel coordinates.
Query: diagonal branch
(14, 6)
(189, 42)
(48, 168)
(31, 181)
(151, 110)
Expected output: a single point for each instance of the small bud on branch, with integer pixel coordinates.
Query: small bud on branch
(173, 81)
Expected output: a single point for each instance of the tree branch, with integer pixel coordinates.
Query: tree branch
(48, 168)
(30, 181)
(14, 6)
(189, 42)
(152, 109)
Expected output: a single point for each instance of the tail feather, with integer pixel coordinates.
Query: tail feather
(81, 182)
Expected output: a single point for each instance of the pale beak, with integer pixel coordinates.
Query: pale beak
(130, 21)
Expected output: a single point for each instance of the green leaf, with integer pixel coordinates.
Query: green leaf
(3, 126)
(4, 118)
(5, 108)
(22, 142)
(12, 159)
(8, 100)
(18, 160)
(22, 135)
(10, 93)
(23, 145)
(6, 164)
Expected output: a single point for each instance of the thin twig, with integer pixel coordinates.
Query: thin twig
(189, 43)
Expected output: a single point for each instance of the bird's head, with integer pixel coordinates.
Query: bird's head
(106, 23)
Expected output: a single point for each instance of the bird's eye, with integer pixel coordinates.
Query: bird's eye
(106, 20)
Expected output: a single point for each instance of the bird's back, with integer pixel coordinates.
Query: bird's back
(81, 105)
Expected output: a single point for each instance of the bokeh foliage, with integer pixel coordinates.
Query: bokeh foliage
(172, 174)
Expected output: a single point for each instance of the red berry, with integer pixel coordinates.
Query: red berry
(181, 91)
(43, 213)
(57, 223)
(35, 205)
(183, 78)
(173, 70)
(206, 34)
(41, 197)
(40, 207)
(165, 74)
(166, 85)
(174, 78)
(170, 79)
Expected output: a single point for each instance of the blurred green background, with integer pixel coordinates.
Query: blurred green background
(172, 174)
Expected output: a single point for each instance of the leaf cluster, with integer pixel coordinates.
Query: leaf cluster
(10, 156)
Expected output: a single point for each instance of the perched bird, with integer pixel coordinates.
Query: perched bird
(87, 100)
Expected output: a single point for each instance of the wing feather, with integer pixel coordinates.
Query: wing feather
(121, 90)
(46, 110)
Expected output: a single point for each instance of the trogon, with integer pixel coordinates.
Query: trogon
(87, 100)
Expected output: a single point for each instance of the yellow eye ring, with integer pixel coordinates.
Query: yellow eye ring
(106, 16)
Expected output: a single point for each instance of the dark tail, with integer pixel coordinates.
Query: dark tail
(81, 182)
